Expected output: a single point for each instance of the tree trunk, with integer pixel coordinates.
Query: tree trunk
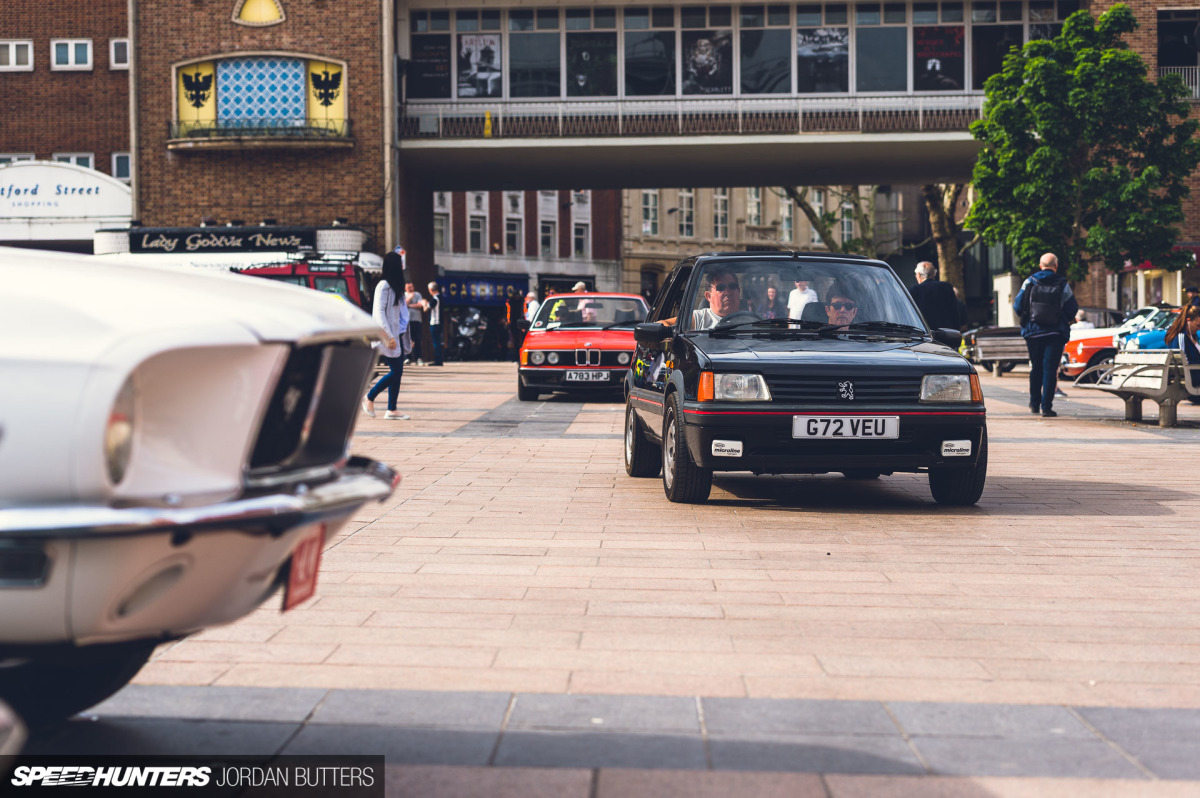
(940, 201)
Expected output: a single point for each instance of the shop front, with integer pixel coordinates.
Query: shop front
(59, 206)
(476, 313)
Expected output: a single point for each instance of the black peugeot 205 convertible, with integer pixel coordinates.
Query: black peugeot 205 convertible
(857, 383)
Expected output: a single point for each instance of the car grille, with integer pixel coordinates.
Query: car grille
(867, 390)
(311, 415)
(590, 357)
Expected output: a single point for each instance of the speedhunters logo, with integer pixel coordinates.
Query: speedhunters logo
(333, 776)
(84, 776)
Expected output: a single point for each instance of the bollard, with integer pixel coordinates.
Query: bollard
(487, 124)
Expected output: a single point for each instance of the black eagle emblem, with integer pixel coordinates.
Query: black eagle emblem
(197, 87)
(327, 86)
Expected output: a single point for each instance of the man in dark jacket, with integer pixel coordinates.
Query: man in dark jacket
(1046, 306)
(935, 299)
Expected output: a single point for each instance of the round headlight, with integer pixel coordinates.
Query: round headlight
(537, 358)
(118, 433)
(552, 358)
(623, 358)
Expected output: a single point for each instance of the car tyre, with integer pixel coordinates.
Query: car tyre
(861, 473)
(960, 487)
(1105, 357)
(642, 459)
(44, 690)
(683, 480)
(526, 393)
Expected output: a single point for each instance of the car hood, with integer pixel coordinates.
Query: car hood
(768, 354)
(580, 339)
(85, 304)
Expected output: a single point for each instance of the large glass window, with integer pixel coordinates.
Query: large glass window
(937, 59)
(512, 236)
(427, 76)
(477, 234)
(534, 58)
(687, 213)
(591, 63)
(707, 50)
(822, 55)
(479, 64)
(547, 232)
(720, 213)
(650, 213)
(989, 45)
(881, 48)
(649, 54)
(754, 206)
(787, 220)
(441, 232)
(766, 50)
(582, 241)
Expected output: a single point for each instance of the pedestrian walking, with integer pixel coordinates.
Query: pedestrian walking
(531, 306)
(391, 314)
(433, 307)
(935, 299)
(415, 302)
(1046, 306)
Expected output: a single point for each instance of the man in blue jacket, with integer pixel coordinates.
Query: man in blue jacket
(1047, 307)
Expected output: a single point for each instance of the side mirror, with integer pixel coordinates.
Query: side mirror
(651, 333)
(951, 338)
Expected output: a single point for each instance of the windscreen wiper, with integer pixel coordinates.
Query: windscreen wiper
(788, 323)
(886, 326)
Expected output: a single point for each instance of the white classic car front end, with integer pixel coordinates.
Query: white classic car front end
(173, 449)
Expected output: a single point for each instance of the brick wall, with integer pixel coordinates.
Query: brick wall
(294, 186)
(70, 111)
(606, 224)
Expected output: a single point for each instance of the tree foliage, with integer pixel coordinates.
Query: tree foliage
(941, 202)
(1083, 155)
(876, 237)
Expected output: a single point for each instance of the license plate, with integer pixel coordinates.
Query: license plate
(857, 427)
(587, 376)
(302, 575)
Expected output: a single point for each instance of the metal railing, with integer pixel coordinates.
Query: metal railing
(1190, 75)
(554, 119)
(292, 128)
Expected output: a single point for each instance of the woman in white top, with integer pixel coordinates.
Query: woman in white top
(392, 315)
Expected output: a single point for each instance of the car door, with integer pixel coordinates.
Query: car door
(651, 364)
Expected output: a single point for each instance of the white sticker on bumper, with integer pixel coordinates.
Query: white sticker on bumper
(727, 448)
(956, 448)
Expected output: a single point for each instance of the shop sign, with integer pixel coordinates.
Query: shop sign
(47, 190)
(482, 290)
(221, 239)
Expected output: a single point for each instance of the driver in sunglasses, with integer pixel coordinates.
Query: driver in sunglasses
(840, 306)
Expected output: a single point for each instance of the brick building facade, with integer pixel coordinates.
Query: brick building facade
(65, 94)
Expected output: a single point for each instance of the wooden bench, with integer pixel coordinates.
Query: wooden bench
(1000, 350)
(1156, 374)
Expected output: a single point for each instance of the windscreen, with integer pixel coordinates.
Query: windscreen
(589, 311)
(741, 292)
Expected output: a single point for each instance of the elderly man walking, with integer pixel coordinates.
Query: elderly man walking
(1046, 306)
(934, 298)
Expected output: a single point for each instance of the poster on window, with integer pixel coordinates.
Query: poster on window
(823, 60)
(707, 62)
(479, 65)
(938, 58)
(591, 64)
(428, 73)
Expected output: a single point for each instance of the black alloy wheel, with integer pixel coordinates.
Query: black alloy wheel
(642, 459)
(683, 480)
(960, 486)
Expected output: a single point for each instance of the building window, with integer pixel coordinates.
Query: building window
(818, 206)
(720, 213)
(649, 213)
(534, 68)
(477, 233)
(582, 241)
(881, 43)
(441, 230)
(754, 206)
(118, 54)
(766, 50)
(441, 200)
(787, 220)
(10, 157)
(847, 223)
(70, 54)
(16, 56)
(479, 201)
(120, 165)
(549, 237)
(77, 158)
(687, 213)
(512, 236)
(649, 54)
(515, 201)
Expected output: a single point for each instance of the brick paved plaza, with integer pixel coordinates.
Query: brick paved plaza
(1027, 646)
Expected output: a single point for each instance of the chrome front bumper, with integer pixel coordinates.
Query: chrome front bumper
(115, 574)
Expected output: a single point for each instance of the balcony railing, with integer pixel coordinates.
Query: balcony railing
(1190, 75)
(688, 117)
(269, 132)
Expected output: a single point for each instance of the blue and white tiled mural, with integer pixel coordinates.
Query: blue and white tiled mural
(262, 91)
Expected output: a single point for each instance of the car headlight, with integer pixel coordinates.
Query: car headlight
(537, 358)
(732, 388)
(1131, 344)
(623, 358)
(118, 433)
(552, 358)
(947, 388)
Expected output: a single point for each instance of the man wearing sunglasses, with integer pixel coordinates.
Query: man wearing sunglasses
(724, 296)
(840, 306)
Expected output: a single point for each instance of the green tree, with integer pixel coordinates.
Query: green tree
(1083, 156)
(877, 232)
